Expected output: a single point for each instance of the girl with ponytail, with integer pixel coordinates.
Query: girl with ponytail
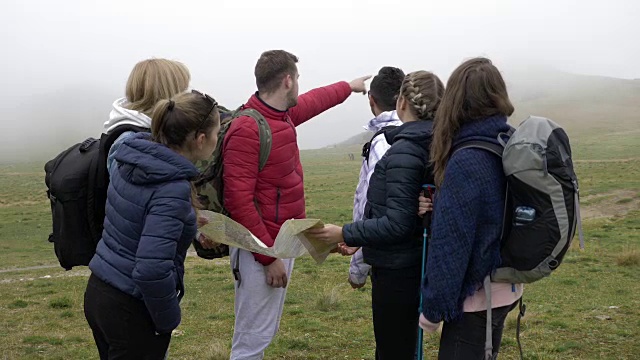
(132, 298)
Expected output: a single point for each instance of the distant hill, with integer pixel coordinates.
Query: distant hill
(358, 139)
(580, 103)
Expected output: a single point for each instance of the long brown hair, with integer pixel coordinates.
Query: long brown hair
(423, 90)
(475, 91)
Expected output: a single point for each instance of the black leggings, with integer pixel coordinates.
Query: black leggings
(465, 338)
(395, 297)
(121, 324)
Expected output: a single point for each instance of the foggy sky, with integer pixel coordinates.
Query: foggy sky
(64, 62)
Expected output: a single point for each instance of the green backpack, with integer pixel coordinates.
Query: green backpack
(209, 185)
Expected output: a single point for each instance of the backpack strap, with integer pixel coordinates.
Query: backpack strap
(496, 150)
(98, 180)
(480, 144)
(578, 216)
(366, 148)
(264, 132)
(106, 141)
(521, 310)
(488, 344)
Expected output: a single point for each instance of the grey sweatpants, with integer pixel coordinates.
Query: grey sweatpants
(258, 307)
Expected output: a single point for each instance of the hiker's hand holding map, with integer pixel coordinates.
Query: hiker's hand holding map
(328, 234)
(291, 241)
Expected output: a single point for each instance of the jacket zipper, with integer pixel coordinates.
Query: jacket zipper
(277, 204)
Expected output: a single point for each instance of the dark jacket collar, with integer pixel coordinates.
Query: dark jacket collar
(487, 129)
(268, 111)
(415, 131)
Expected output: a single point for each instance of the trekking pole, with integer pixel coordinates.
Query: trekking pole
(426, 222)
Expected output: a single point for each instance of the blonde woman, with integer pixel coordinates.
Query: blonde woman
(150, 81)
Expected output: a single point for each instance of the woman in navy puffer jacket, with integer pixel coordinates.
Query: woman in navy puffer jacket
(132, 298)
(391, 232)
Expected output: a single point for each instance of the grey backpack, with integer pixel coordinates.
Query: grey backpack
(542, 210)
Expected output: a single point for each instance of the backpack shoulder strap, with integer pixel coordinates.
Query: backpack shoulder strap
(480, 144)
(366, 148)
(496, 150)
(264, 132)
(106, 141)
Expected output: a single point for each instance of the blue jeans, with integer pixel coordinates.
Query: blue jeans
(464, 339)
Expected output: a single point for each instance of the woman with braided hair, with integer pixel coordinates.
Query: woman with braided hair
(391, 231)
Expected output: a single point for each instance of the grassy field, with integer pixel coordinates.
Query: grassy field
(589, 309)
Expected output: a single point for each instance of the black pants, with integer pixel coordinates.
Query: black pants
(395, 297)
(121, 324)
(465, 339)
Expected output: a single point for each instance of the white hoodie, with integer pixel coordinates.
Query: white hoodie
(121, 115)
(359, 270)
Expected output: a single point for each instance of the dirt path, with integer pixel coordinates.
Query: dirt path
(23, 203)
(3, 271)
(613, 203)
(608, 160)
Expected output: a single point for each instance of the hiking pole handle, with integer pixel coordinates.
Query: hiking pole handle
(427, 190)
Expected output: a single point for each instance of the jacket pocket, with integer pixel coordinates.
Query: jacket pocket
(277, 204)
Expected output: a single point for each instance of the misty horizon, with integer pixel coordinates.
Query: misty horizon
(65, 63)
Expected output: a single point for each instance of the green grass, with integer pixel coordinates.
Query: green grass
(42, 318)
(60, 303)
(629, 257)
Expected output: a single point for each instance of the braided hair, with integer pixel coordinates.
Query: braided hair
(423, 90)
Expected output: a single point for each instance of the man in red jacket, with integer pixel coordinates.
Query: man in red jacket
(263, 200)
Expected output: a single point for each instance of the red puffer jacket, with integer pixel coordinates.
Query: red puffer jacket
(263, 201)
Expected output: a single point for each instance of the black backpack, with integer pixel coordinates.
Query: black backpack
(77, 182)
(542, 212)
(542, 206)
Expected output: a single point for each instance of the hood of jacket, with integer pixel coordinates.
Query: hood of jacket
(387, 118)
(415, 131)
(487, 129)
(142, 161)
(120, 115)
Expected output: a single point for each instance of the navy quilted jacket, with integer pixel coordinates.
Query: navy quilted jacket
(148, 227)
(391, 234)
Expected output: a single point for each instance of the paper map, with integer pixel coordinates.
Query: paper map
(291, 241)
